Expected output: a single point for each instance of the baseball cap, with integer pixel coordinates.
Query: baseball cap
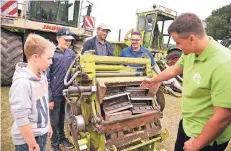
(104, 26)
(65, 33)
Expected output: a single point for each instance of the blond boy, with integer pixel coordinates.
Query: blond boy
(29, 96)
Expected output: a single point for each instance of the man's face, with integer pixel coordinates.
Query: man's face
(43, 61)
(64, 43)
(136, 41)
(187, 45)
(102, 33)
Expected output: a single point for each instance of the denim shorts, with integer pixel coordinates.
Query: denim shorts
(41, 140)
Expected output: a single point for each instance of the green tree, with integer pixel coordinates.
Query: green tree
(219, 23)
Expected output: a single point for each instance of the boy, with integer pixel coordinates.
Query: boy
(29, 96)
(56, 73)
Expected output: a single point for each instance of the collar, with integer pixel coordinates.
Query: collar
(59, 50)
(97, 40)
(206, 52)
(141, 49)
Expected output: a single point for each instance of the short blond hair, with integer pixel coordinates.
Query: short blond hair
(36, 44)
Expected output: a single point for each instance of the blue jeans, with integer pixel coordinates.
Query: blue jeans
(41, 141)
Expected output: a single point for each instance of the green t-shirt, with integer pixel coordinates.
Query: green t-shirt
(206, 83)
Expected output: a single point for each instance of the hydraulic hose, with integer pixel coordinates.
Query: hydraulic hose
(67, 83)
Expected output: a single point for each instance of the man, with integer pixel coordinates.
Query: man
(56, 73)
(99, 43)
(136, 50)
(206, 101)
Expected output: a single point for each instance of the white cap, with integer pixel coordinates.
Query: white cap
(104, 26)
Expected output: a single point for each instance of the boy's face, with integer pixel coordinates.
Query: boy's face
(43, 61)
(64, 43)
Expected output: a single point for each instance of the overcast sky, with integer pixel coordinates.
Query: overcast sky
(121, 14)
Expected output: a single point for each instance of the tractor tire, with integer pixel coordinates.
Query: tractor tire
(226, 42)
(173, 57)
(11, 54)
(160, 99)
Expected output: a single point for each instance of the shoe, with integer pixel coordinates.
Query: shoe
(66, 143)
(55, 148)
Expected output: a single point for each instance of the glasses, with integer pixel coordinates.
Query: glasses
(135, 40)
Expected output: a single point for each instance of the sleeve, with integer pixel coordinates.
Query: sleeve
(180, 62)
(73, 53)
(221, 86)
(122, 53)
(20, 101)
(49, 83)
(152, 58)
(85, 46)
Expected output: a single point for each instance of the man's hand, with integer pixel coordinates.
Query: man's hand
(51, 105)
(50, 131)
(34, 147)
(190, 145)
(147, 83)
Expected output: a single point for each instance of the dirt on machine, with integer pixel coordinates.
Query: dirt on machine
(21, 17)
(106, 109)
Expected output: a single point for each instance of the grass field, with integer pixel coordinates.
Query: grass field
(170, 121)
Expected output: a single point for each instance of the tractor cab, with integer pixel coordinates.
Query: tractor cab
(55, 12)
(152, 22)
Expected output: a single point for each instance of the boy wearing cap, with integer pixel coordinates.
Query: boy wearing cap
(99, 43)
(62, 59)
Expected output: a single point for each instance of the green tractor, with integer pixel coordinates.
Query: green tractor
(153, 23)
(22, 17)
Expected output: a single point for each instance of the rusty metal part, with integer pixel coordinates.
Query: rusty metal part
(137, 91)
(75, 135)
(160, 99)
(71, 109)
(77, 126)
(79, 89)
(128, 123)
(101, 91)
(78, 123)
(142, 109)
(117, 115)
(117, 103)
(122, 138)
(107, 97)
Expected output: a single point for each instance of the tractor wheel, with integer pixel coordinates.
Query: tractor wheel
(160, 99)
(226, 42)
(11, 54)
(173, 57)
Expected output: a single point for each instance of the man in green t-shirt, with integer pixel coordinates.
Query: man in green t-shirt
(206, 96)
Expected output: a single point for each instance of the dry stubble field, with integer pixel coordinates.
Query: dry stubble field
(171, 117)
